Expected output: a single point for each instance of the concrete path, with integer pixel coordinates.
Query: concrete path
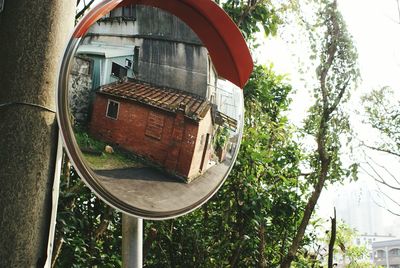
(152, 190)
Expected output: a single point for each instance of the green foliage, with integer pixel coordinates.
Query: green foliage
(220, 137)
(253, 218)
(253, 16)
(327, 121)
(102, 160)
(84, 140)
(383, 114)
(254, 215)
(353, 255)
(88, 232)
(336, 75)
(345, 250)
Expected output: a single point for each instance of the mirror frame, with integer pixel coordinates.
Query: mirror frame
(238, 54)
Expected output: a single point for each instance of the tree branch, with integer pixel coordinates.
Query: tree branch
(323, 157)
(384, 207)
(251, 5)
(83, 10)
(379, 178)
(104, 223)
(57, 250)
(398, 10)
(339, 97)
(381, 150)
(332, 240)
(384, 168)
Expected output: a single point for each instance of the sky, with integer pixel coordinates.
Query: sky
(374, 25)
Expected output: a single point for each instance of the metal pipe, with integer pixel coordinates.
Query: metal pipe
(132, 242)
(55, 195)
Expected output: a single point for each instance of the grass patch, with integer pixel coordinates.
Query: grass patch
(100, 160)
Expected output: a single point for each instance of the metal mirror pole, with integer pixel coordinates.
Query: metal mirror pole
(132, 242)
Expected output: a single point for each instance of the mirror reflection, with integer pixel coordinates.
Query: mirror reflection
(152, 118)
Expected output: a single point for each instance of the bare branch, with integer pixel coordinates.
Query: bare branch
(384, 207)
(332, 239)
(381, 150)
(83, 10)
(378, 177)
(398, 9)
(384, 168)
(390, 198)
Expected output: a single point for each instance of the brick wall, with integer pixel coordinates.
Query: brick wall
(167, 139)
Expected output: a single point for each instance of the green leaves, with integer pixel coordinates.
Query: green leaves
(383, 114)
(88, 231)
(253, 16)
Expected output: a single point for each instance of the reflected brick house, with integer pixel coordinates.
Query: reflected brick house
(169, 106)
(170, 127)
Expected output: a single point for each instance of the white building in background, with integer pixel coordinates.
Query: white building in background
(356, 207)
(387, 253)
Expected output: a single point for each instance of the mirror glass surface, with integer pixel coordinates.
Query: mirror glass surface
(157, 129)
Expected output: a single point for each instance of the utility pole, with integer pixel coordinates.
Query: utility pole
(33, 34)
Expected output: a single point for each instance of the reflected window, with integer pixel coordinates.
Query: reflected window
(380, 254)
(129, 12)
(155, 125)
(136, 60)
(394, 252)
(118, 70)
(112, 109)
(128, 63)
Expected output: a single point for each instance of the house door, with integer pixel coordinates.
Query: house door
(204, 162)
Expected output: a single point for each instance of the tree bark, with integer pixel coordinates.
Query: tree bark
(332, 240)
(261, 234)
(33, 34)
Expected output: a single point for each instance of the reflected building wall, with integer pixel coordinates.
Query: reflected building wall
(171, 135)
(165, 51)
(228, 99)
(80, 82)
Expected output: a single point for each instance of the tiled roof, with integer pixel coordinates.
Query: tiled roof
(170, 100)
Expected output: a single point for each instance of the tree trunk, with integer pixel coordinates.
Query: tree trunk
(332, 240)
(33, 34)
(261, 247)
(312, 201)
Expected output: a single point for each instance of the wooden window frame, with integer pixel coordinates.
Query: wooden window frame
(108, 105)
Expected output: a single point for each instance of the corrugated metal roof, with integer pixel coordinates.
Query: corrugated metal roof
(106, 51)
(194, 107)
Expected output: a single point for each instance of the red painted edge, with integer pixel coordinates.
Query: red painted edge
(220, 35)
(94, 15)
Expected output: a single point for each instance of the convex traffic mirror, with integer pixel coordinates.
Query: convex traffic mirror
(150, 103)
